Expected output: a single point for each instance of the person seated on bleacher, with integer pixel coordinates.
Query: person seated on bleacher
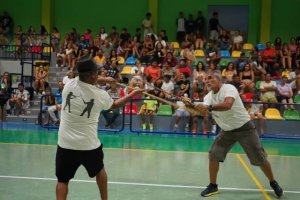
(107, 47)
(241, 62)
(168, 70)
(183, 68)
(258, 66)
(285, 93)
(41, 76)
(199, 40)
(294, 80)
(236, 82)
(70, 56)
(100, 59)
(113, 71)
(60, 57)
(255, 111)
(189, 54)
(269, 57)
(20, 99)
(268, 89)
(167, 87)
(137, 69)
(159, 53)
(247, 78)
(286, 56)
(57, 107)
(229, 72)
(296, 57)
(49, 100)
(181, 113)
(224, 41)
(183, 85)
(148, 108)
(111, 115)
(212, 53)
(196, 100)
(237, 41)
(170, 58)
(153, 70)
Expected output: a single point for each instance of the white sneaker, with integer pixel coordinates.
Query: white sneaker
(175, 127)
(187, 128)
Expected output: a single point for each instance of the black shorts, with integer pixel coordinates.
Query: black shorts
(68, 161)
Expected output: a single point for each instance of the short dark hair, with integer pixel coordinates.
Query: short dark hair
(85, 67)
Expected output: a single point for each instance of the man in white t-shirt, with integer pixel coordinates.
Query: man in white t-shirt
(227, 109)
(147, 24)
(78, 143)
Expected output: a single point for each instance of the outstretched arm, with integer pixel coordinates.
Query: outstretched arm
(122, 101)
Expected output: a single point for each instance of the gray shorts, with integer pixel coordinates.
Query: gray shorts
(247, 137)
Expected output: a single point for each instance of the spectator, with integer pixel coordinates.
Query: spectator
(269, 58)
(70, 56)
(20, 100)
(170, 58)
(294, 80)
(237, 41)
(55, 39)
(189, 54)
(258, 66)
(60, 57)
(212, 53)
(106, 48)
(74, 35)
(241, 62)
(168, 70)
(102, 34)
(267, 89)
(285, 93)
(163, 35)
(180, 23)
(297, 57)
(5, 91)
(236, 82)
(200, 23)
(181, 113)
(137, 69)
(124, 36)
(6, 23)
(49, 100)
(183, 68)
(57, 107)
(247, 78)
(88, 35)
(114, 72)
(278, 45)
(114, 37)
(199, 40)
(196, 99)
(286, 56)
(112, 114)
(214, 27)
(190, 24)
(229, 72)
(167, 87)
(148, 108)
(255, 110)
(100, 59)
(154, 71)
(292, 46)
(183, 85)
(40, 81)
(224, 41)
(159, 53)
(147, 24)
(199, 76)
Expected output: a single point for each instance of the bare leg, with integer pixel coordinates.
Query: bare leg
(61, 191)
(101, 179)
(267, 169)
(213, 171)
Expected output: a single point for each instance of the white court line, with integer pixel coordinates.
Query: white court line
(142, 184)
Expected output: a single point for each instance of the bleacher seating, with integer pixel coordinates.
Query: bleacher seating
(273, 113)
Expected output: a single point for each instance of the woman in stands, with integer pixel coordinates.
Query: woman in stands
(278, 45)
(285, 56)
(5, 92)
(297, 57)
(40, 79)
(247, 78)
(285, 93)
(229, 72)
(55, 39)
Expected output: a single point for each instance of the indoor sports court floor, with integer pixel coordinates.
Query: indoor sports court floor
(142, 167)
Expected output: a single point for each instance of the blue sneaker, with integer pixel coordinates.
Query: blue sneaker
(211, 189)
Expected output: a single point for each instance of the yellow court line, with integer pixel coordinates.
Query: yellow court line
(256, 181)
(149, 150)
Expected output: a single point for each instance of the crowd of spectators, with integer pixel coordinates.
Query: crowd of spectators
(172, 69)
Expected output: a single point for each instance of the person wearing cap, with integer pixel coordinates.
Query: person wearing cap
(228, 111)
(78, 143)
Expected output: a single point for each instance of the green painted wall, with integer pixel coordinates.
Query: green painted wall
(95, 13)
(169, 9)
(285, 19)
(23, 12)
(130, 13)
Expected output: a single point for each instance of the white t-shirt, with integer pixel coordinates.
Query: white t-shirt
(231, 119)
(66, 80)
(168, 87)
(264, 84)
(78, 128)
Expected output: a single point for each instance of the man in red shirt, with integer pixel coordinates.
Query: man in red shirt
(269, 58)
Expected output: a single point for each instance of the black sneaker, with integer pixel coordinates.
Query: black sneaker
(211, 189)
(277, 189)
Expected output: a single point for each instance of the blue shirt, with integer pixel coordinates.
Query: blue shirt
(59, 97)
